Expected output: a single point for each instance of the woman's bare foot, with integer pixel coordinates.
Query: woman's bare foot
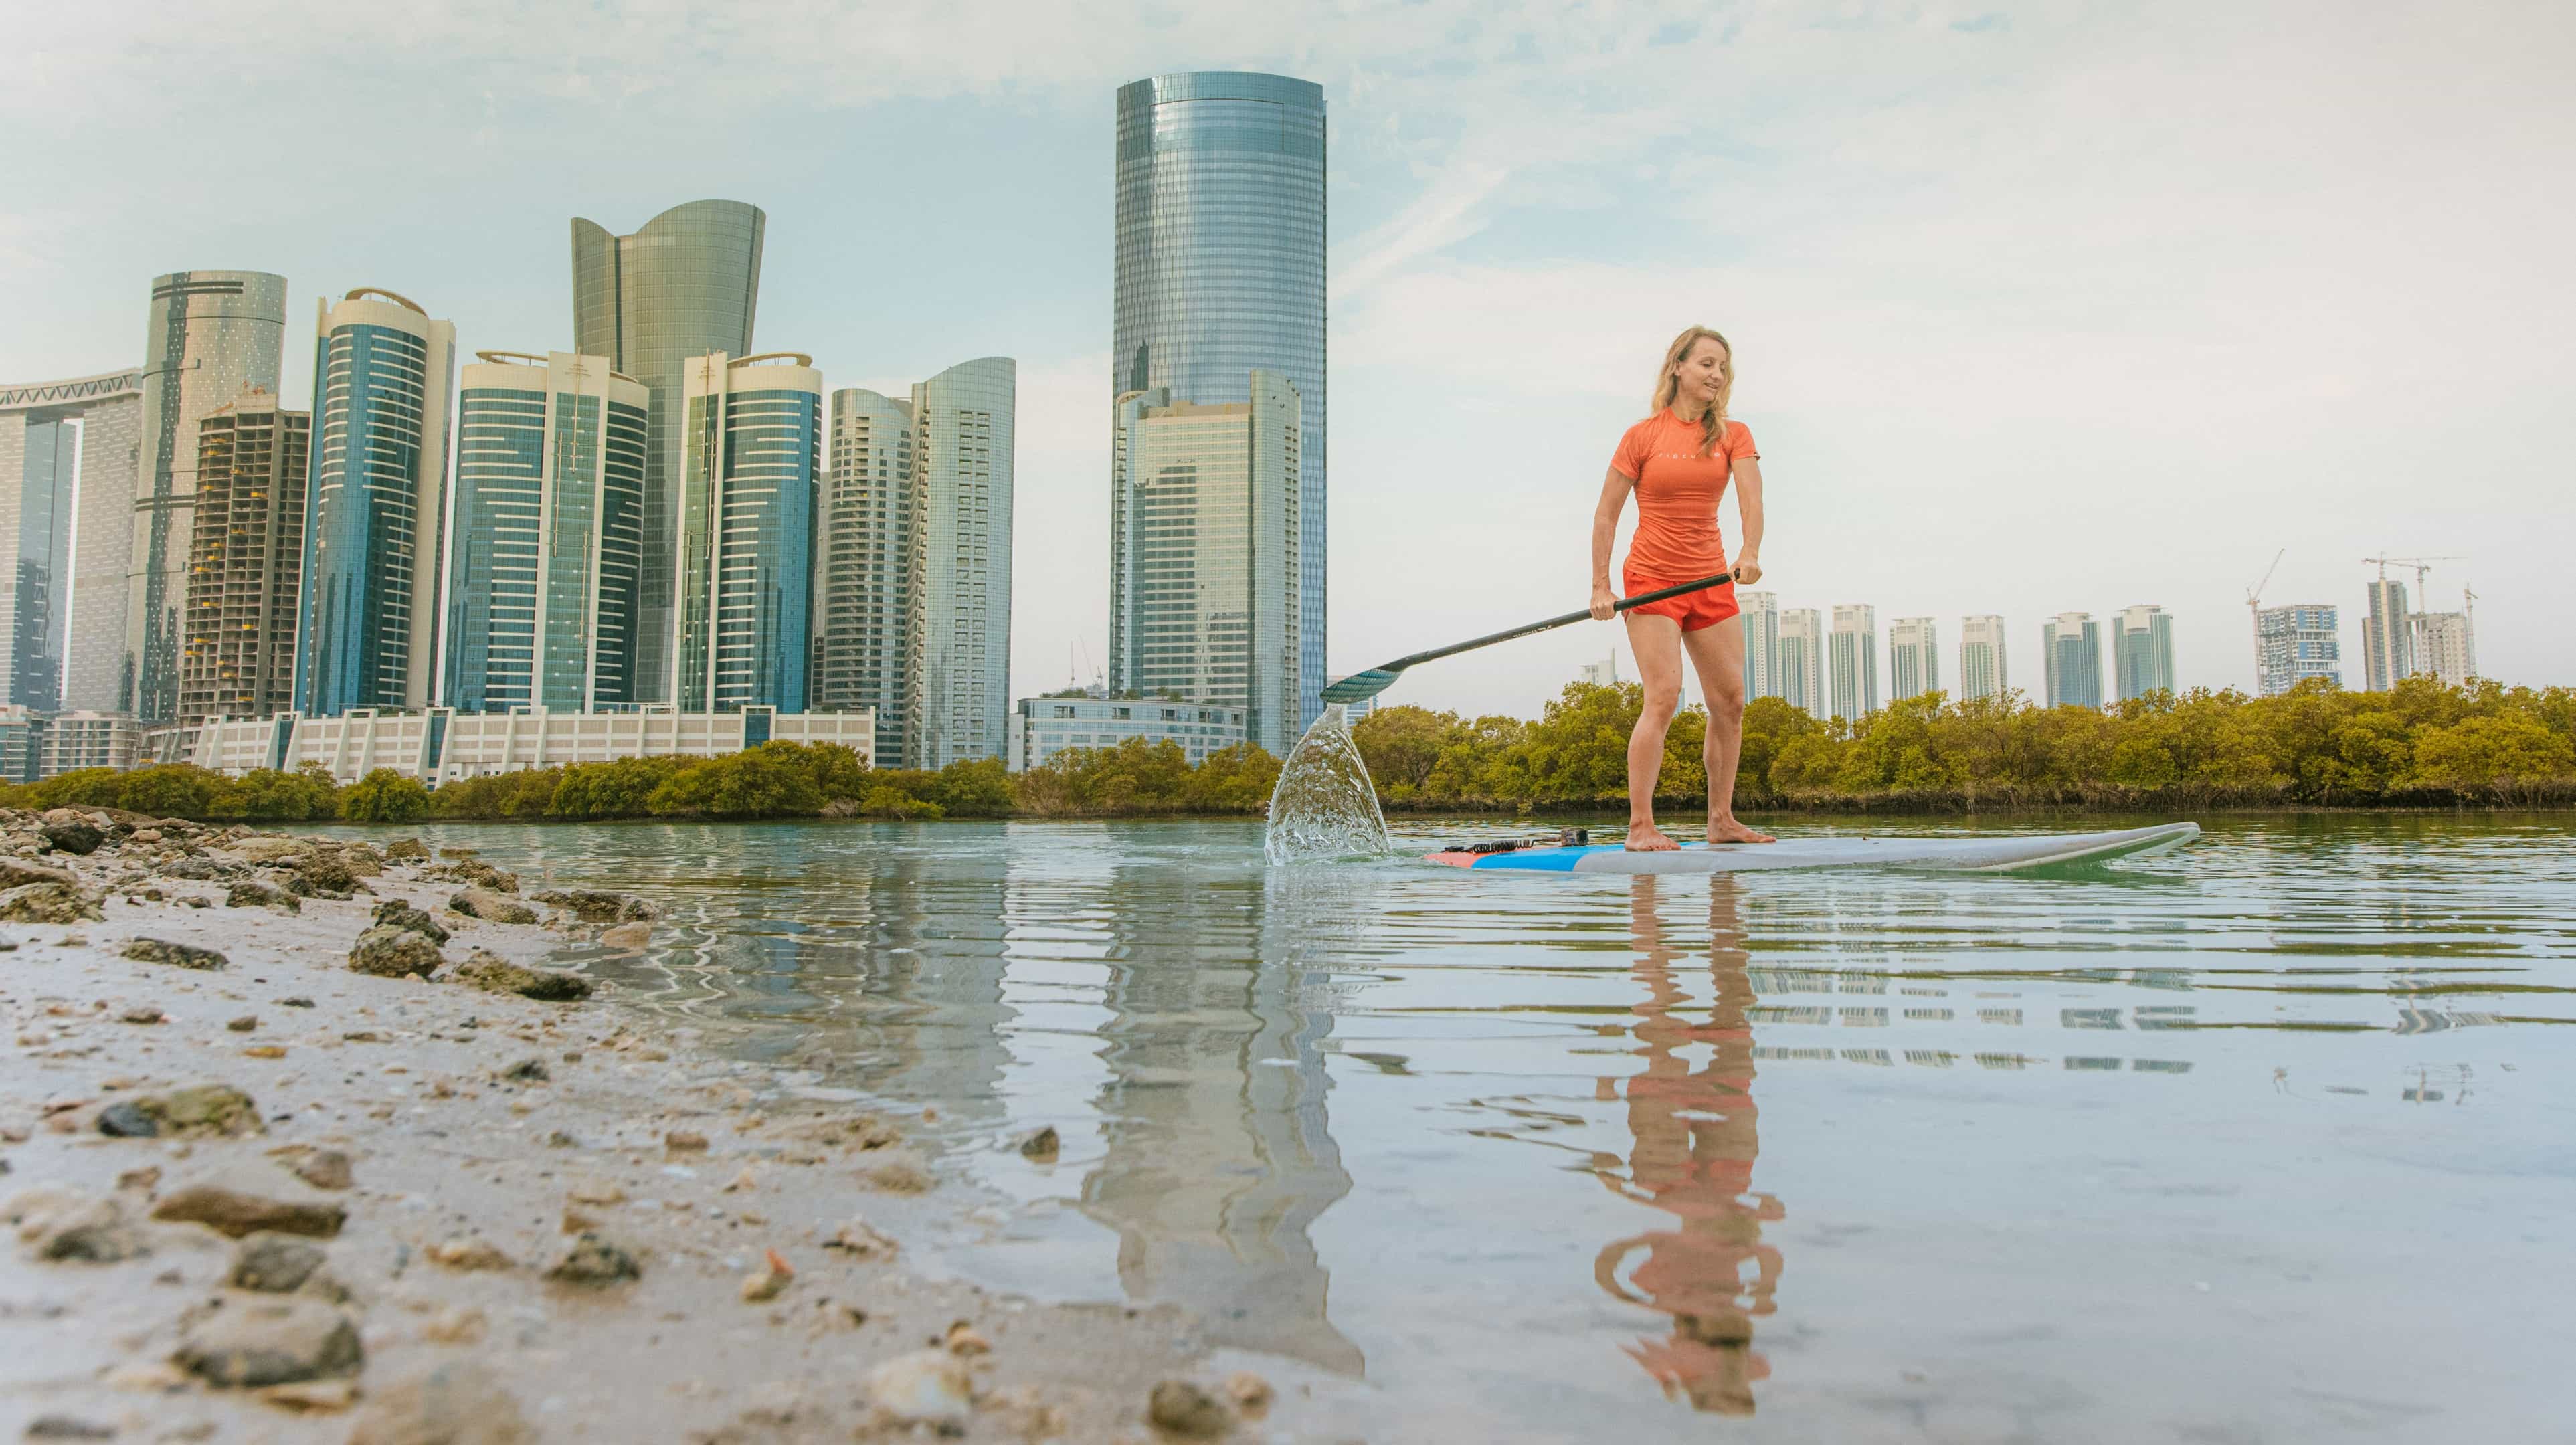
(1647, 838)
(1728, 830)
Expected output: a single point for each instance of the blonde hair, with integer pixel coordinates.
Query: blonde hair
(1668, 386)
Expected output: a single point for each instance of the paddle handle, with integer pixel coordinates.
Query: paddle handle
(1489, 639)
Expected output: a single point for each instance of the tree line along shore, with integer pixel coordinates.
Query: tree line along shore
(2420, 745)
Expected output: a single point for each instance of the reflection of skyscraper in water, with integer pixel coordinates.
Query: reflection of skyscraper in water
(1220, 1155)
(1695, 1141)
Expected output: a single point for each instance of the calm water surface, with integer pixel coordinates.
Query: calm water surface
(2268, 1139)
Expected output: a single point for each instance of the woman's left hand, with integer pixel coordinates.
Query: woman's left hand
(1748, 570)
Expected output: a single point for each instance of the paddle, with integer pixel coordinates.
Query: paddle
(1361, 686)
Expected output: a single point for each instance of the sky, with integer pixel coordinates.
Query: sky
(2036, 308)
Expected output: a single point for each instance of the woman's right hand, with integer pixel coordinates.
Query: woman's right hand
(1605, 603)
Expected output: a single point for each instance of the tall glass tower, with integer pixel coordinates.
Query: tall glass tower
(685, 285)
(1220, 272)
(213, 335)
(752, 440)
(2142, 651)
(862, 553)
(2071, 647)
(1852, 660)
(384, 379)
(549, 482)
(957, 597)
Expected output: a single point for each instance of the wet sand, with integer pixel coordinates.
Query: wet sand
(487, 1137)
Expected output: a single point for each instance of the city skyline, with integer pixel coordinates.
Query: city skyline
(1492, 198)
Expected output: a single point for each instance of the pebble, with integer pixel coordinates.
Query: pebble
(460, 1402)
(467, 1254)
(862, 1240)
(1185, 1409)
(384, 952)
(233, 1212)
(926, 1387)
(528, 1071)
(494, 974)
(244, 1343)
(896, 1176)
(395, 913)
(245, 1024)
(964, 1339)
(769, 1282)
(67, 1228)
(594, 1261)
(274, 1263)
(1251, 1393)
(176, 955)
(321, 1168)
(144, 1015)
(68, 1427)
(1041, 1146)
(484, 903)
(683, 1141)
(205, 1111)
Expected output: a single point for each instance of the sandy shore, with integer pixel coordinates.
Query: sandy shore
(424, 1156)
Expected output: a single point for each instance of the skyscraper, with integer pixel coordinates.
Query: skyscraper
(245, 561)
(2387, 635)
(212, 336)
(958, 580)
(1854, 660)
(1981, 657)
(68, 461)
(2071, 648)
(2298, 642)
(685, 285)
(862, 559)
(1204, 593)
(1761, 614)
(1802, 660)
(1220, 272)
(2446, 646)
(384, 378)
(751, 442)
(2142, 651)
(1913, 657)
(545, 561)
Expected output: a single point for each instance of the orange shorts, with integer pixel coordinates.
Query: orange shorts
(1693, 610)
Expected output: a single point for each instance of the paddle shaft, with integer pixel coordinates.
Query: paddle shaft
(1489, 639)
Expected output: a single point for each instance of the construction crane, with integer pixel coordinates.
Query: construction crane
(2421, 565)
(2254, 608)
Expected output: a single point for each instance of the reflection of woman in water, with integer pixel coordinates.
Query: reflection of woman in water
(1695, 1145)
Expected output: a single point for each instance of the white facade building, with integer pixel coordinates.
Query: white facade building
(1041, 727)
(1913, 657)
(1853, 661)
(1802, 661)
(2142, 651)
(438, 745)
(2446, 646)
(1761, 614)
(1981, 657)
(69, 458)
(958, 581)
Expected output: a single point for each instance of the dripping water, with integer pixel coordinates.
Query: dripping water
(1325, 807)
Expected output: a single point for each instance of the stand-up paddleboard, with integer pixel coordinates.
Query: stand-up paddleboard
(1988, 854)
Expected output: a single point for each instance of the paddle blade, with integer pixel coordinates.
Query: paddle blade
(1360, 686)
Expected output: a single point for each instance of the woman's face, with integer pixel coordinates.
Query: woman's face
(1702, 370)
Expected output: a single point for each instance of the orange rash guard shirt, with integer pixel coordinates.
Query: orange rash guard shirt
(1677, 493)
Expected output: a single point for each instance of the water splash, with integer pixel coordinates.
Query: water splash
(1325, 806)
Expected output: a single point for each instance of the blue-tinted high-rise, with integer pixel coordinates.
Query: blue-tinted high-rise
(384, 378)
(751, 445)
(1220, 272)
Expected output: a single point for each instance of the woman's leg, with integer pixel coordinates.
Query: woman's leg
(1657, 644)
(1717, 655)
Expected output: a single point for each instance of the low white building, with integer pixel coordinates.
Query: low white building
(77, 740)
(440, 746)
(1041, 727)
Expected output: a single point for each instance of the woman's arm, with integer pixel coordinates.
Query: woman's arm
(1605, 530)
(1748, 505)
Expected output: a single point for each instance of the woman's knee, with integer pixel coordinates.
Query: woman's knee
(1661, 704)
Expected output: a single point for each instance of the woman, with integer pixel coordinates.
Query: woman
(1678, 462)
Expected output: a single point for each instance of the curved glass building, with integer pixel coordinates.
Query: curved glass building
(213, 335)
(684, 285)
(383, 386)
(1220, 273)
(751, 441)
(549, 487)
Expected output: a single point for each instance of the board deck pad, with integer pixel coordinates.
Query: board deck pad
(1983, 853)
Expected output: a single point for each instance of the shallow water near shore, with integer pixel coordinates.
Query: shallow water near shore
(2270, 1138)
